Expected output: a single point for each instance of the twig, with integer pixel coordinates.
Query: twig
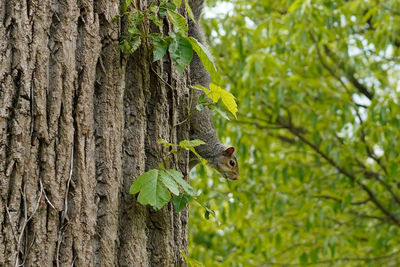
(159, 77)
(64, 214)
(185, 120)
(349, 75)
(380, 180)
(27, 219)
(102, 65)
(343, 171)
(190, 113)
(44, 193)
(361, 215)
(11, 224)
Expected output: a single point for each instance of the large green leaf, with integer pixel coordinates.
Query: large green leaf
(124, 5)
(181, 51)
(177, 3)
(180, 201)
(189, 11)
(179, 22)
(215, 93)
(169, 183)
(227, 98)
(205, 57)
(178, 177)
(141, 180)
(191, 143)
(160, 47)
(151, 190)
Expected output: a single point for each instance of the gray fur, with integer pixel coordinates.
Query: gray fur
(197, 8)
(201, 125)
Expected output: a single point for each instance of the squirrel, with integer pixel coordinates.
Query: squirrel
(217, 155)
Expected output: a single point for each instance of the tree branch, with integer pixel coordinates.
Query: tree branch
(380, 180)
(361, 215)
(347, 259)
(340, 200)
(272, 127)
(349, 73)
(343, 171)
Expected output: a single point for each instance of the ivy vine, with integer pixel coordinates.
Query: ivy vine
(156, 186)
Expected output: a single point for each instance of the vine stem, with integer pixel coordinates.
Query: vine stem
(190, 113)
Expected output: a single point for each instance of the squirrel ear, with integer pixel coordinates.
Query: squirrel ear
(229, 151)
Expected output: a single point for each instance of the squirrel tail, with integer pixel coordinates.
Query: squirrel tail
(197, 7)
(198, 73)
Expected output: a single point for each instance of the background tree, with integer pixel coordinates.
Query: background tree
(78, 121)
(317, 135)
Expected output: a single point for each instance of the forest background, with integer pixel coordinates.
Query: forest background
(316, 136)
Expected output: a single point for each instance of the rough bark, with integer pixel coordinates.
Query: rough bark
(78, 122)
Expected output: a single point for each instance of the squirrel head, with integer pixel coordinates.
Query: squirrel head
(226, 164)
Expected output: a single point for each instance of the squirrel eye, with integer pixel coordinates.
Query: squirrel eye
(232, 163)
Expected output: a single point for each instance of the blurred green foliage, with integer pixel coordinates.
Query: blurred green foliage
(317, 136)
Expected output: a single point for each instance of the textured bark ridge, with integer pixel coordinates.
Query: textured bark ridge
(78, 122)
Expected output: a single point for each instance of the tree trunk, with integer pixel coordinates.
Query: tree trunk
(79, 121)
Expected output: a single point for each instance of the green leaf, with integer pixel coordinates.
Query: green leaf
(296, 4)
(125, 4)
(199, 107)
(141, 180)
(165, 142)
(207, 214)
(215, 92)
(136, 18)
(303, 258)
(201, 88)
(154, 9)
(221, 113)
(190, 145)
(191, 262)
(115, 18)
(177, 3)
(203, 101)
(134, 44)
(228, 99)
(169, 183)
(189, 11)
(206, 207)
(162, 196)
(133, 30)
(170, 6)
(314, 256)
(154, 18)
(180, 201)
(179, 22)
(278, 240)
(160, 47)
(151, 190)
(162, 12)
(205, 56)
(178, 177)
(124, 46)
(208, 211)
(181, 52)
